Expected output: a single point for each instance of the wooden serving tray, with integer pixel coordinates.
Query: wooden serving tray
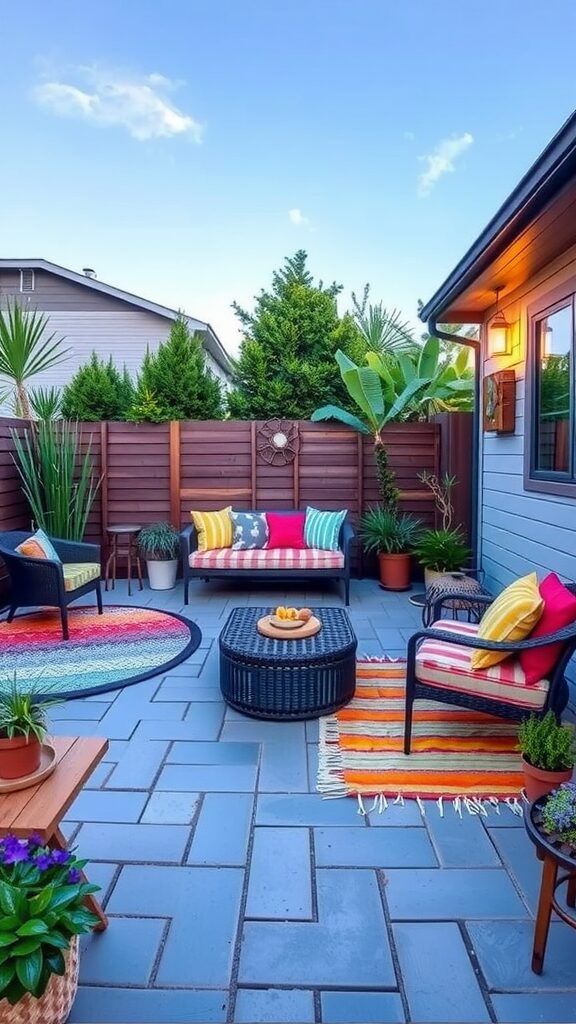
(307, 629)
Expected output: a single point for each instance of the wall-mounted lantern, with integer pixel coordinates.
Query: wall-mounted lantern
(499, 332)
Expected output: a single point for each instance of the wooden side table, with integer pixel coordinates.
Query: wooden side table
(40, 809)
(123, 542)
(554, 855)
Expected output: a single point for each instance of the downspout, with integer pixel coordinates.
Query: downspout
(472, 343)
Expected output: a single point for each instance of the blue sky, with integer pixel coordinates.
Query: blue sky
(183, 148)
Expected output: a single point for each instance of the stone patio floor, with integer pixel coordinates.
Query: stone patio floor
(236, 893)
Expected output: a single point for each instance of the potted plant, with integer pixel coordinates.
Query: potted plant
(23, 728)
(559, 813)
(392, 536)
(441, 552)
(548, 754)
(42, 894)
(159, 544)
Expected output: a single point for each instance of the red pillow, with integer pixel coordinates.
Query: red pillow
(286, 531)
(559, 611)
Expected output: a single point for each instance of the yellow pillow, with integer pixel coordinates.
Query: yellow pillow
(512, 616)
(214, 529)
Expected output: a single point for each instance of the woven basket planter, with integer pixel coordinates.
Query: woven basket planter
(55, 1005)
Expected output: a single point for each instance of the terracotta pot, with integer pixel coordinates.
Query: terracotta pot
(19, 757)
(55, 1005)
(539, 783)
(394, 571)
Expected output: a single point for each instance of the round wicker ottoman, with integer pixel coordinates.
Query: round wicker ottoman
(287, 679)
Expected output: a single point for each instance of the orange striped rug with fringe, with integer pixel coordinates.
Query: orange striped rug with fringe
(455, 752)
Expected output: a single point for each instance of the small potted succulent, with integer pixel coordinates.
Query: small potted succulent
(23, 728)
(548, 754)
(392, 536)
(159, 544)
(42, 905)
(559, 814)
(441, 553)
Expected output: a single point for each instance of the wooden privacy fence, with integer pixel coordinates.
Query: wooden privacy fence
(161, 471)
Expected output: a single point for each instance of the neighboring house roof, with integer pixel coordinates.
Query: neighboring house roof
(212, 341)
(554, 169)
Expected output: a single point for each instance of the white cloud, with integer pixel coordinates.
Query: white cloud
(441, 161)
(138, 104)
(297, 217)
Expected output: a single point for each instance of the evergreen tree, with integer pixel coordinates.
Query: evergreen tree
(174, 383)
(286, 365)
(98, 391)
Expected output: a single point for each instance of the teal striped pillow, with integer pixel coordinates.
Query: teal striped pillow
(321, 529)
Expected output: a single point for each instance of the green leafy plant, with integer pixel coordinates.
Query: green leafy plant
(387, 532)
(559, 813)
(159, 542)
(442, 550)
(375, 397)
(383, 330)
(176, 378)
(21, 714)
(57, 477)
(42, 894)
(98, 391)
(27, 349)
(45, 403)
(145, 408)
(546, 743)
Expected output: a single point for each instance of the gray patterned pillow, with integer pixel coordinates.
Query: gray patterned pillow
(250, 530)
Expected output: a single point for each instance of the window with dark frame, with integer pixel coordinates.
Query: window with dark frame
(553, 419)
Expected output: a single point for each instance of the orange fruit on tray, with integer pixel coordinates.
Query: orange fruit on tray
(280, 612)
(305, 614)
(292, 614)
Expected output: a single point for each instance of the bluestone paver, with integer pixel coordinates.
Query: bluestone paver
(519, 857)
(124, 954)
(101, 805)
(208, 778)
(280, 875)
(204, 904)
(373, 848)
(170, 808)
(452, 894)
(314, 955)
(406, 815)
(368, 1007)
(204, 723)
(549, 1007)
(223, 829)
(139, 765)
(160, 844)
(305, 809)
(148, 1006)
(461, 842)
(504, 951)
(284, 768)
(214, 753)
(280, 1006)
(439, 981)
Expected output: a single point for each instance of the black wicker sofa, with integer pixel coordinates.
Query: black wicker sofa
(285, 564)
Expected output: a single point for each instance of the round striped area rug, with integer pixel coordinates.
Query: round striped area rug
(104, 652)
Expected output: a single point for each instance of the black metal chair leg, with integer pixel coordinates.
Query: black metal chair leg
(408, 721)
(99, 599)
(12, 612)
(186, 592)
(64, 621)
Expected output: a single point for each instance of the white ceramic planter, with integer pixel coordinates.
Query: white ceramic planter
(162, 575)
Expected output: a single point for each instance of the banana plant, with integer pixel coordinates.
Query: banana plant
(378, 403)
(444, 387)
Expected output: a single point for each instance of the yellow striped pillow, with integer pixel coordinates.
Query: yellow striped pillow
(214, 529)
(512, 616)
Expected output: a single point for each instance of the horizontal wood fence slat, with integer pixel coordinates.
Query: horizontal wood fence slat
(161, 471)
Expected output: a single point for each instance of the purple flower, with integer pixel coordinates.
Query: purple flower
(15, 850)
(74, 876)
(36, 839)
(61, 856)
(43, 861)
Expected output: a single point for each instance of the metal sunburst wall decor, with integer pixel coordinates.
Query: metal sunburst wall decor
(278, 442)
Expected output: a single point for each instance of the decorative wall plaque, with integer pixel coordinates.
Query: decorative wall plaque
(500, 402)
(278, 442)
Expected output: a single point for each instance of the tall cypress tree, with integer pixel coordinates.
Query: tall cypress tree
(175, 378)
(286, 366)
(98, 391)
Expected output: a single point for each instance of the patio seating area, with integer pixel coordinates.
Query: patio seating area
(236, 893)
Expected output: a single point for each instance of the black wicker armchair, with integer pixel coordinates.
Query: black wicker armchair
(555, 696)
(41, 581)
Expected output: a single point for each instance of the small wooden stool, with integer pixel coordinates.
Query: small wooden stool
(554, 854)
(40, 808)
(123, 541)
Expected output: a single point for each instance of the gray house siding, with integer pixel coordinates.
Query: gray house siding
(52, 293)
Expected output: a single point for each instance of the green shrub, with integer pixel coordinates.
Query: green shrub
(387, 532)
(159, 542)
(174, 383)
(442, 550)
(547, 744)
(98, 391)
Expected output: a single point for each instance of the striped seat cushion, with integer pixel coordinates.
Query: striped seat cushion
(267, 558)
(449, 665)
(76, 574)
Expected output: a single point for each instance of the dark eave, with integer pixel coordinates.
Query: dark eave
(553, 169)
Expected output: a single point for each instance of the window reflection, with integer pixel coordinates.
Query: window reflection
(554, 345)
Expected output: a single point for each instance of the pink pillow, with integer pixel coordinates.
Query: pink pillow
(559, 611)
(286, 531)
